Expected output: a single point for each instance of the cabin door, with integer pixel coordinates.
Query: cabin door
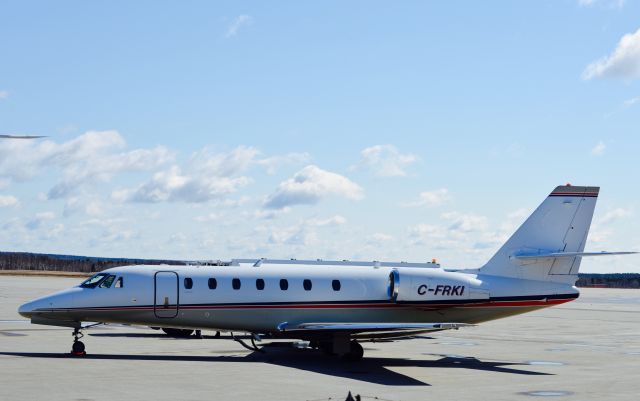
(166, 294)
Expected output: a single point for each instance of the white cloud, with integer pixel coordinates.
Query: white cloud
(39, 218)
(207, 218)
(614, 214)
(519, 214)
(75, 204)
(631, 102)
(422, 234)
(465, 222)
(94, 157)
(207, 177)
(623, 63)
(238, 22)
(304, 233)
(385, 161)
(233, 203)
(295, 235)
(223, 164)
(118, 235)
(8, 200)
(331, 221)
(4, 95)
(310, 185)
(104, 223)
(599, 149)
(55, 231)
(271, 213)
(380, 237)
(173, 185)
(271, 164)
(436, 197)
(177, 237)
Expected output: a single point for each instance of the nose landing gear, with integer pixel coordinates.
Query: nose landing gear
(77, 349)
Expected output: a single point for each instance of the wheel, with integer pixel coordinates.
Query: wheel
(77, 348)
(355, 353)
(178, 333)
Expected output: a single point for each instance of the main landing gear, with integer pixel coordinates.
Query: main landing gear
(356, 352)
(77, 349)
(177, 333)
(350, 351)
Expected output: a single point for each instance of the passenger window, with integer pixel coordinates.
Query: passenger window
(260, 284)
(119, 282)
(108, 281)
(307, 284)
(336, 285)
(188, 283)
(235, 283)
(213, 283)
(284, 285)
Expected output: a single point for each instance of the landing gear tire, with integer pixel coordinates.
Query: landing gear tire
(77, 349)
(356, 352)
(178, 333)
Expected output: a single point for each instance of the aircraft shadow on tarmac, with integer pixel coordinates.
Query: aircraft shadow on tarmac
(371, 370)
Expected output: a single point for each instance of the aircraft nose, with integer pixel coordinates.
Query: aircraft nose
(26, 309)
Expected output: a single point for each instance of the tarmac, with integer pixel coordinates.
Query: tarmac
(588, 349)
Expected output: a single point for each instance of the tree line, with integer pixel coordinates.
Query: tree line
(70, 263)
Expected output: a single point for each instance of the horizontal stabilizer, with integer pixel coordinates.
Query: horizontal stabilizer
(552, 255)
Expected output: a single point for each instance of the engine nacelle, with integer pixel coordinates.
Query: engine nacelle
(433, 286)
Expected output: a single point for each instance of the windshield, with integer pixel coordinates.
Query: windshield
(106, 283)
(93, 281)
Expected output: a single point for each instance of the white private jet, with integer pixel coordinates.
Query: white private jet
(335, 305)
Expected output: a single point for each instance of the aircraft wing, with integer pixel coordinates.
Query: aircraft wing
(369, 330)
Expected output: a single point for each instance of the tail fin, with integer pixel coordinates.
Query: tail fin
(549, 245)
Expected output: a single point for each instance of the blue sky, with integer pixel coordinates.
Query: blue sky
(349, 130)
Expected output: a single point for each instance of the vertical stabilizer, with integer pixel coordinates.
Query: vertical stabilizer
(559, 225)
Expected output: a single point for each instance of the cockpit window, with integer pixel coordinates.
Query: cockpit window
(119, 283)
(106, 283)
(93, 281)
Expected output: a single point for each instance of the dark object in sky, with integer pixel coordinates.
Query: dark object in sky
(21, 136)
